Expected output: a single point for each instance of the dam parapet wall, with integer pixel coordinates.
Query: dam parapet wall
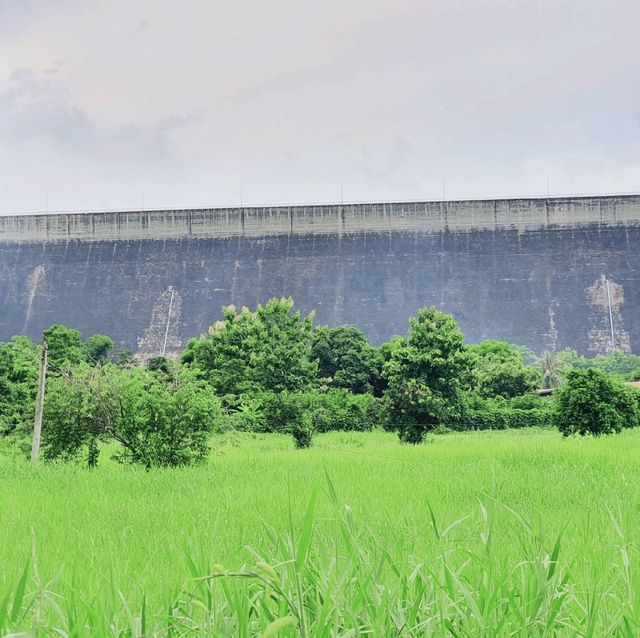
(436, 216)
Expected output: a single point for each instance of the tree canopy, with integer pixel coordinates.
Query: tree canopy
(248, 351)
(425, 373)
(345, 358)
(498, 369)
(592, 402)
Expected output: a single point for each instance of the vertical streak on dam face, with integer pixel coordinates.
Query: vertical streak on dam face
(528, 271)
(33, 282)
(162, 335)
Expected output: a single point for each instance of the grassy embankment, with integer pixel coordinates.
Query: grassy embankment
(516, 533)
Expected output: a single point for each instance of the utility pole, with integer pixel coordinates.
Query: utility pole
(37, 424)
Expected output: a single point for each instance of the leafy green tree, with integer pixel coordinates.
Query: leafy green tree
(269, 349)
(283, 361)
(498, 369)
(345, 358)
(592, 402)
(97, 349)
(424, 375)
(188, 356)
(155, 423)
(18, 383)
(383, 355)
(224, 356)
(624, 365)
(65, 345)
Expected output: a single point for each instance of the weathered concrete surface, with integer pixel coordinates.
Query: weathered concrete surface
(523, 214)
(529, 271)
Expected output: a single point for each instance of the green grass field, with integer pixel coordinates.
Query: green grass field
(512, 533)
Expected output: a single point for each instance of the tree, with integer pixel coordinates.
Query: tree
(345, 358)
(97, 349)
(18, 383)
(224, 355)
(383, 356)
(552, 369)
(624, 365)
(155, 423)
(265, 350)
(498, 369)
(424, 375)
(65, 345)
(283, 360)
(592, 402)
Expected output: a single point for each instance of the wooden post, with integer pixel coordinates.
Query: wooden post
(37, 424)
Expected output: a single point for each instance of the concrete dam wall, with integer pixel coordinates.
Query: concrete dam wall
(546, 273)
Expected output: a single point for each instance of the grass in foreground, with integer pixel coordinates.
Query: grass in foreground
(515, 533)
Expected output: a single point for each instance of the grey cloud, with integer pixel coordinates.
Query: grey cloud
(37, 109)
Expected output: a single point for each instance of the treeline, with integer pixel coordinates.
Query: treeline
(272, 370)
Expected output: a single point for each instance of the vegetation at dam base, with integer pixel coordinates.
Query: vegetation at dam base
(202, 519)
(271, 370)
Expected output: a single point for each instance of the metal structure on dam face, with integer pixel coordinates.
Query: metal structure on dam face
(546, 273)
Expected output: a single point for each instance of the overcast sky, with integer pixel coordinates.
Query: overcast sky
(194, 102)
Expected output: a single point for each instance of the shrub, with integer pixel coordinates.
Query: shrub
(156, 424)
(500, 414)
(280, 412)
(591, 402)
(332, 410)
(302, 433)
(242, 413)
(337, 410)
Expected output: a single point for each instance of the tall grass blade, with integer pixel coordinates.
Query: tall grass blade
(306, 534)
(18, 597)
